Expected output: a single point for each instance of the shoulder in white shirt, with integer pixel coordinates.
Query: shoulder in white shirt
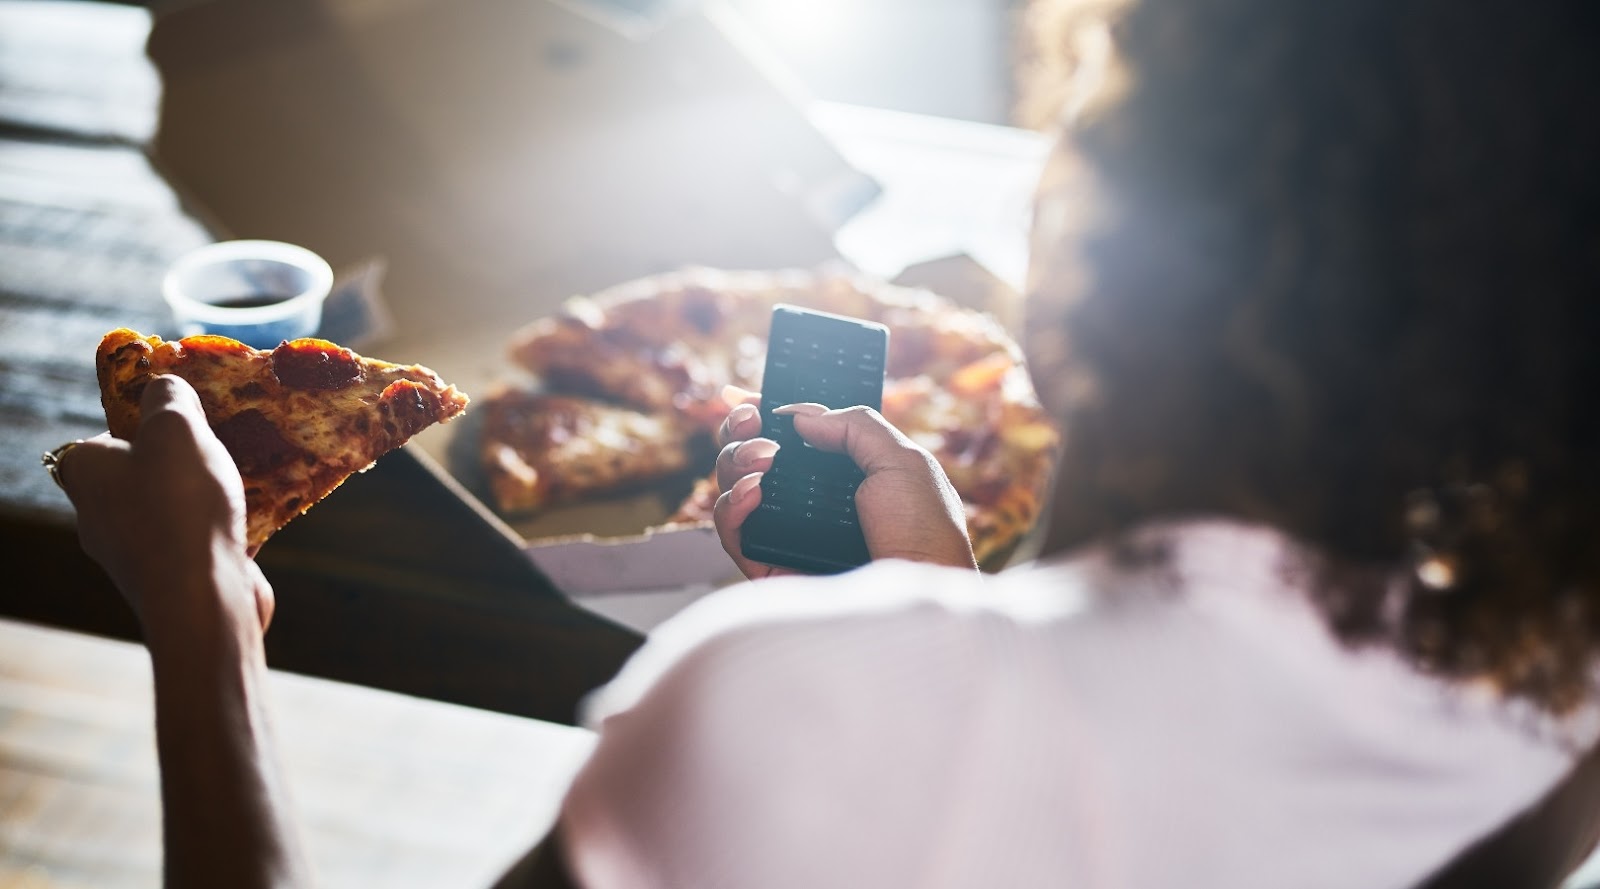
(1074, 724)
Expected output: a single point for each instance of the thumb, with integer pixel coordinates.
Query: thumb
(908, 508)
(861, 432)
(170, 414)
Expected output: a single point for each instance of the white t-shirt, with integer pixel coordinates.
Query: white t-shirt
(1073, 725)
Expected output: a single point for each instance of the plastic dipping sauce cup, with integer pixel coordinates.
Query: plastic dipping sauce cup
(257, 292)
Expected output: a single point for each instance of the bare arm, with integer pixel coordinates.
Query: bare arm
(165, 517)
(226, 821)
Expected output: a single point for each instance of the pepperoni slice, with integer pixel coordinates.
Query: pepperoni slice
(315, 364)
(407, 408)
(256, 445)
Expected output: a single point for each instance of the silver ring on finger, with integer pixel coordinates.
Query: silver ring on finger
(51, 460)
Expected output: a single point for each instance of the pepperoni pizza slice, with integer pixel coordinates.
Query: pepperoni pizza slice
(540, 449)
(298, 419)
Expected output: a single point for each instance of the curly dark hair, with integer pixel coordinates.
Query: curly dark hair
(1335, 267)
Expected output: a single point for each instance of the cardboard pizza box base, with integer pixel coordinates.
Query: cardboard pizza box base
(683, 560)
(607, 544)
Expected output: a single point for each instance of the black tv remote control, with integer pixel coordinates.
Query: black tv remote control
(807, 518)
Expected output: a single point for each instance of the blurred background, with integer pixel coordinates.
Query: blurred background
(947, 58)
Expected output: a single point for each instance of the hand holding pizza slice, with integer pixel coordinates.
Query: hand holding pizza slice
(297, 420)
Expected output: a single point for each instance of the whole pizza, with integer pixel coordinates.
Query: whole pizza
(631, 380)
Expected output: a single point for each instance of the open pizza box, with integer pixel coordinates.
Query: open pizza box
(501, 156)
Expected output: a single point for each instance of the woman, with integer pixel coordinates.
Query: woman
(1313, 299)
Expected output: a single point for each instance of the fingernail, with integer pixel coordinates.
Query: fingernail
(803, 409)
(754, 450)
(744, 486)
(741, 415)
(733, 395)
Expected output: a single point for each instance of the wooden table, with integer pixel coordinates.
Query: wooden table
(387, 790)
(392, 582)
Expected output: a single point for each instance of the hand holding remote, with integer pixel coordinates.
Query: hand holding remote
(908, 509)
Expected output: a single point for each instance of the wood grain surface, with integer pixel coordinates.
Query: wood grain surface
(390, 791)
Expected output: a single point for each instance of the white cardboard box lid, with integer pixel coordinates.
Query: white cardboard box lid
(502, 155)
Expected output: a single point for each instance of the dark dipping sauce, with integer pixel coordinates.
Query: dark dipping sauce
(315, 364)
(251, 301)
